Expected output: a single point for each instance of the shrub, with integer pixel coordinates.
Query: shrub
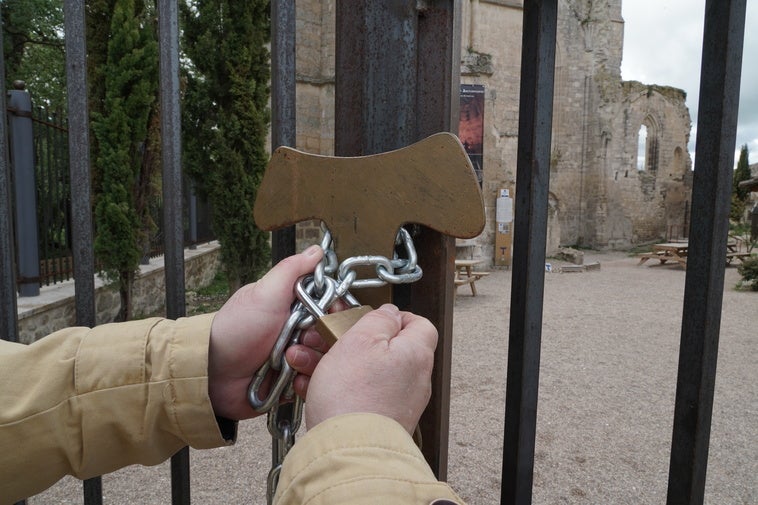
(749, 272)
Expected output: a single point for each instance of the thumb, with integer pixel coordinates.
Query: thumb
(279, 281)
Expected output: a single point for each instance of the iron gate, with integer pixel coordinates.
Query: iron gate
(363, 96)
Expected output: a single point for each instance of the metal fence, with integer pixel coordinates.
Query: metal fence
(53, 195)
(39, 173)
(381, 73)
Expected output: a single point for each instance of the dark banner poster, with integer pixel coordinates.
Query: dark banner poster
(471, 125)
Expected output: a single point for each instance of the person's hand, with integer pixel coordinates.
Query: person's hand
(244, 331)
(382, 365)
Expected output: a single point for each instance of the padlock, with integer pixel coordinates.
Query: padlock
(332, 326)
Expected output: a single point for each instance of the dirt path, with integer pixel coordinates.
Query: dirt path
(608, 371)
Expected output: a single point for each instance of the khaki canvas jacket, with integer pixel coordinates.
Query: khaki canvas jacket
(85, 402)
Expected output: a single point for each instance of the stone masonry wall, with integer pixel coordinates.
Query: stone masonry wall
(54, 308)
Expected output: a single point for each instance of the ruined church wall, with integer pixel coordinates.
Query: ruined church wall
(652, 204)
(597, 196)
(588, 57)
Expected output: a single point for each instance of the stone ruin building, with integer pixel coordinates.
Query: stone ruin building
(611, 186)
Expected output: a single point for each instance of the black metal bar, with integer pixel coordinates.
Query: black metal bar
(79, 168)
(723, 36)
(530, 230)
(9, 312)
(283, 133)
(283, 102)
(168, 34)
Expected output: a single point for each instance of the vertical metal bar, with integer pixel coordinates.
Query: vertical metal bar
(79, 168)
(283, 133)
(438, 80)
(283, 102)
(395, 78)
(375, 90)
(723, 36)
(168, 34)
(9, 312)
(525, 330)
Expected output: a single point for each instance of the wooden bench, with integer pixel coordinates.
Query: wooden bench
(741, 256)
(659, 255)
(469, 278)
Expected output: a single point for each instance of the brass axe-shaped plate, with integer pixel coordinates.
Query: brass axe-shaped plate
(365, 200)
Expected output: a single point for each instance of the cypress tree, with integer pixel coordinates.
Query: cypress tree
(739, 195)
(130, 88)
(225, 122)
(742, 173)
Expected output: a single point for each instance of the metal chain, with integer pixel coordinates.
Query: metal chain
(316, 293)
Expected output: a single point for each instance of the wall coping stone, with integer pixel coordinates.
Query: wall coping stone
(62, 293)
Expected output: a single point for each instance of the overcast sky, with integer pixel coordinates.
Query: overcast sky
(663, 45)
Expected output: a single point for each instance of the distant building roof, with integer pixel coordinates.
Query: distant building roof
(750, 184)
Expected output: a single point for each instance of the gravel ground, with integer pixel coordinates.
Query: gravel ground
(607, 385)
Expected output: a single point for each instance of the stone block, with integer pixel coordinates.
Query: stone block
(569, 254)
(572, 269)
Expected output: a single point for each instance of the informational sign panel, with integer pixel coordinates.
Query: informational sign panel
(471, 125)
(504, 232)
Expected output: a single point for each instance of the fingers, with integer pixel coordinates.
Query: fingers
(303, 359)
(381, 365)
(312, 339)
(278, 282)
(301, 385)
(378, 326)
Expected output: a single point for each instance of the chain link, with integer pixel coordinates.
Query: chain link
(316, 293)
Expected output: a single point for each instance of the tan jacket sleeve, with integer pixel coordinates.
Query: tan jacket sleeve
(359, 459)
(85, 401)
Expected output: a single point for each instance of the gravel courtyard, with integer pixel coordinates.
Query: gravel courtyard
(607, 383)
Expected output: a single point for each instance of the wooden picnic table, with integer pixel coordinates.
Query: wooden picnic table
(667, 251)
(677, 251)
(465, 274)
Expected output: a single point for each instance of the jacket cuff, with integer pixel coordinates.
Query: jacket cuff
(190, 405)
(371, 459)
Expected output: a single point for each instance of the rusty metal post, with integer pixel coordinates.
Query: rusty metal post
(723, 37)
(437, 110)
(530, 230)
(387, 97)
(283, 102)
(81, 198)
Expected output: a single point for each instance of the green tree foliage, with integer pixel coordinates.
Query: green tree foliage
(130, 86)
(98, 16)
(34, 48)
(749, 272)
(739, 195)
(742, 173)
(225, 122)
